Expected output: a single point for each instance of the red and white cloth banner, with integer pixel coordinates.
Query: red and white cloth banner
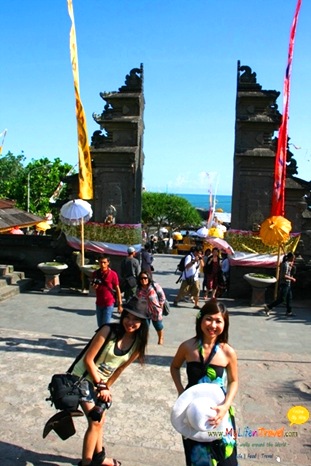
(278, 195)
(100, 247)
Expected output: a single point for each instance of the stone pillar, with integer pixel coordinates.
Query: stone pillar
(117, 153)
(257, 118)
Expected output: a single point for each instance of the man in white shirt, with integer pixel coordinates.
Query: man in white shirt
(190, 283)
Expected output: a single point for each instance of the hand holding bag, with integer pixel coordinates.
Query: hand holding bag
(65, 393)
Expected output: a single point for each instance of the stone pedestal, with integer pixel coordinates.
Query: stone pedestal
(88, 271)
(259, 286)
(51, 272)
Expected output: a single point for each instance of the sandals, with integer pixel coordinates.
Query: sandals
(115, 463)
(99, 460)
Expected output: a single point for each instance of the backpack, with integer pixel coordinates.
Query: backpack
(64, 389)
(64, 392)
(181, 265)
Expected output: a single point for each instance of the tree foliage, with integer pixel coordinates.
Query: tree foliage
(11, 171)
(38, 179)
(161, 209)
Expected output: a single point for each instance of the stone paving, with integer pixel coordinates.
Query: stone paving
(40, 334)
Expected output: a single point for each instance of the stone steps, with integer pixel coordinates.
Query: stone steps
(12, 282)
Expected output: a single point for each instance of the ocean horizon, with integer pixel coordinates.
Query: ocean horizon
(201, 201)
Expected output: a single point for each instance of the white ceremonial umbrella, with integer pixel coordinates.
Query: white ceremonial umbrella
(77, 212)
(215, 241)
(202, 232)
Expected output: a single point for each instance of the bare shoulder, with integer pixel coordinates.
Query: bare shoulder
(189, 344)
(228, 350)
(102, 333)
(186, 346)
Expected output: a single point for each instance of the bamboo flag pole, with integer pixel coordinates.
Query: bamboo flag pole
(82, 253)
(82, 242)
(277, 273)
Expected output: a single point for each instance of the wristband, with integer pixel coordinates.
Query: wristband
(101, 385)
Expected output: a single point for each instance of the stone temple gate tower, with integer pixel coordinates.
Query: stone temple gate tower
(117, 153)
(257, 119)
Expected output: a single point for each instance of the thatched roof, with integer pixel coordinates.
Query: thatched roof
(11, 217)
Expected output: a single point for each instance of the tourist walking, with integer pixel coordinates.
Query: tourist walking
(206, 256)
(224, 280)
(114, 348)
(285, 281)
(147, 259)
(105, 282)
(190, 283)
(129, 272)
(210, 360)
(152, 296)
(212, 270)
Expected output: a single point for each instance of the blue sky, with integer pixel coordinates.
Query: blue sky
(189, 51)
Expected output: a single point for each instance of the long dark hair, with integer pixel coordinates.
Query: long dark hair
(210, 308)
(141, 335)
(288, 257)
(143, 272)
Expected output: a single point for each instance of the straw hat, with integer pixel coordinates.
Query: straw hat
(62, 424)
(192, 410)
(137, 307)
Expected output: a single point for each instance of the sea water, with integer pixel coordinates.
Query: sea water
(202, 201)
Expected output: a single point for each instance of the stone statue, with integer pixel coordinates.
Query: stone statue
(133, 81)
(247, 75)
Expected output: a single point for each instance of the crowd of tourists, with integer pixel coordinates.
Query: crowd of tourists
(135, 281)
(204, 402)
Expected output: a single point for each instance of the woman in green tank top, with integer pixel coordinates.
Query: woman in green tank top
(114, 348)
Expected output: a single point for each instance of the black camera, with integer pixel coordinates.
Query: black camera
(96, 413)
(96, 281)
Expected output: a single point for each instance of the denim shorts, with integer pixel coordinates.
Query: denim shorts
(87, 391)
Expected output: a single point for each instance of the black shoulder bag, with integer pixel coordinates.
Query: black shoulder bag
(64, 388)
(166, 306)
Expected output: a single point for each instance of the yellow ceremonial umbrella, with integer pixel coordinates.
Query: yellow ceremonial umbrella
(43, 226)
(215, 232)
(177, 236)
(274, 231)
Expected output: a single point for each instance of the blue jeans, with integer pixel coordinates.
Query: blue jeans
(285, 297)
(103, 314)
(157, 324)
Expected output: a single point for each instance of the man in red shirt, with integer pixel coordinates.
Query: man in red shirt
(106, 284)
